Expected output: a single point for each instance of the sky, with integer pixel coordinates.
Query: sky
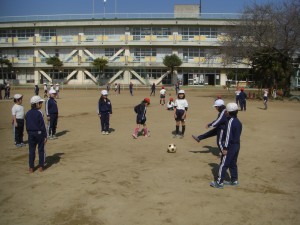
(52, 7)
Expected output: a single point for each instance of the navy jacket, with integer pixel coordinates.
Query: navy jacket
(35, 122)
(233, 132)
(242, 96)
(221, 121)
(51, 107)
(104, 106)
(141, 114)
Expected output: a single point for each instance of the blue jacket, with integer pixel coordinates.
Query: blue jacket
(104, 106)
(141, 114)
(242, 96)
(51, 107)
(221, 121)
(35, 122)
(233, 132)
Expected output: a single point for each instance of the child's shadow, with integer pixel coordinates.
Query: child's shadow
(111, 130)
(61, 133)
(215, 171)
(53, 159)
(214, 150)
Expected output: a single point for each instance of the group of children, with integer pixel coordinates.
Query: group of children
(56, 88)
(36, 129)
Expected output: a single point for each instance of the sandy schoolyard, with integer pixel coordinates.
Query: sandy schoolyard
(94, 179)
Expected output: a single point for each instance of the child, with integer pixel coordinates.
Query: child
(45, 91)
(162, 95)
(153, 87)
(180, 109)
(218, 125)
(7, 92)
(36, 89)
(37, 134)
(141, 118)
(231, 149)
(57, 90)
(104, 109)
(52, 114)
(266, 98)
(237, 93)
(116, 89)
(170, 104)
(242, 99)
(18, 120)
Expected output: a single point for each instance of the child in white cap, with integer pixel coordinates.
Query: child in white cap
(57, 90)
(52, 114)
(180, 109)
(104, 111)
(18, 120)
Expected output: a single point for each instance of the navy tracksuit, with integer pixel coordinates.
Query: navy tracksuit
(52, 112)
(37, 134)
(104, 108)
(219, 127)
(36, 90)
(242, 100)
(232, 145)
(19, 130)
(141, 114)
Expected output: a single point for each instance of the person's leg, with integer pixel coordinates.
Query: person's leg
(32, 146)
(208, 134)
(41, 150)
(233, 169)
(183, 127)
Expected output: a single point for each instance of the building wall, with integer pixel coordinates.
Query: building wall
(134, 48)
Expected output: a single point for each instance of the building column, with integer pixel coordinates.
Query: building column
(126, 77)
(36, 77)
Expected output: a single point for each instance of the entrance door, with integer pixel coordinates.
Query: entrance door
(211, 79)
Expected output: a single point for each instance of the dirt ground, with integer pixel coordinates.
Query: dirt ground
(94, 179)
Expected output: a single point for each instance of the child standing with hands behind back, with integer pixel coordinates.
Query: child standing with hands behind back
(180, 109)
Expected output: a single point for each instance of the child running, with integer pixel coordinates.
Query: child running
(218, 125)
(37, 134)
(180, 109)
(18, 120)
(231, 149)
(140, 110)
(104, 111)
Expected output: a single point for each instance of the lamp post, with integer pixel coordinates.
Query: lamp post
(93, 8)
(104, 1)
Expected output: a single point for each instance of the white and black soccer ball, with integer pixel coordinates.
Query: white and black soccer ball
(171, 148)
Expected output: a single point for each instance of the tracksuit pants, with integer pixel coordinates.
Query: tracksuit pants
(229, 161)
(19, 131)
(104, 121)
(243, 105)
(35, 138)
(214, 132)
(52, 124)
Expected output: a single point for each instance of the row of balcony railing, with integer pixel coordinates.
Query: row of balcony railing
(106, 39)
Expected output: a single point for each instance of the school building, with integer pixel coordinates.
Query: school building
(133, 44)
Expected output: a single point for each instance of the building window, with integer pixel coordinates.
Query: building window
(112, 51)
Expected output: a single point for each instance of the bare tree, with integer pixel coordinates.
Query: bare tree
(268, 36)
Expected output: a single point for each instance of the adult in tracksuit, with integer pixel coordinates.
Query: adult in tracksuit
(52, 114)
(218, 125)
(242, 99)
(231, 148)
(104, 111)
(37, 134)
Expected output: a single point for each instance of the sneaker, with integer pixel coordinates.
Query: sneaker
(231, 183)
(50, 137)
(23, 145)
(19, 145)
(41, 169)
(215, 184)
(30, 170)
(196, 138)
(134, 136)
(106, 133)
(54, 137)
(103, 132)
(181, 136)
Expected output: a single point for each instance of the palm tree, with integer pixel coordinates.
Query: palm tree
(55, 62)
(4, 61)
(172, 61)
(100, 63)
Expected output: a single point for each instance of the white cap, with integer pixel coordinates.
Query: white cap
(36, 99)
(57, 84)
(52, 91)
(18, 96)
(181, 92)
(230, 107)
(7, 85)
(104, 92)
(218, 102)
(45, 83)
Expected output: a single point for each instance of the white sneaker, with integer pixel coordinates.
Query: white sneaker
(107, 133)
(103, 132)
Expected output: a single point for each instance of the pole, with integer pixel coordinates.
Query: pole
(93, 8)
(115, 7)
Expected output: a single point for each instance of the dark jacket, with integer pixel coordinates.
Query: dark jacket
(51, 107)
(35, 122)
(104, 106)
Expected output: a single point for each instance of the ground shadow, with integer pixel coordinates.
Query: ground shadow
(215, 171)
(174, 132)
(214, 150)
(111, 130)
(61, 133)
(53, 159)
(261, 108)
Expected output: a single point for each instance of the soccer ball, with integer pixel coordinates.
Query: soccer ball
(171, 148)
